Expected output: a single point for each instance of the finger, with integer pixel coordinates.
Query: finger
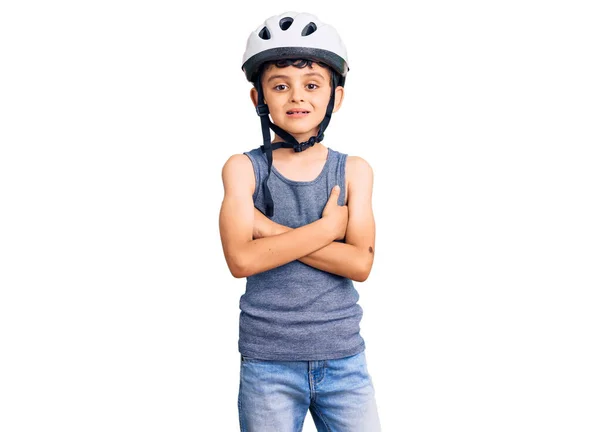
(335, 191)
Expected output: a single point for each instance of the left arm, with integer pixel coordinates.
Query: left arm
(354, 258)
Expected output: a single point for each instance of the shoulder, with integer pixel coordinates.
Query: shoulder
(358, 169)
(237, 173)
(237, 162)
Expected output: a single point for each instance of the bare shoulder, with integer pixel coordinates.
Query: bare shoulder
(238, 174)
(237, 162)
(358, 169)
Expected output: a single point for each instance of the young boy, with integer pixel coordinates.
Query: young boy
(298, 240)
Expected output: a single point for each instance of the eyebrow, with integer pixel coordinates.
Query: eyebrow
(286, 76)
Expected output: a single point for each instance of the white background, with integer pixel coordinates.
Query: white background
(481, 123)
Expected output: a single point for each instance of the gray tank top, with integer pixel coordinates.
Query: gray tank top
(295, 311)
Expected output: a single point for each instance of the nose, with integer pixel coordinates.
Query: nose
(297, 94)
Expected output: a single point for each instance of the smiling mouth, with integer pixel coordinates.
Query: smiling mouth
(297, 112)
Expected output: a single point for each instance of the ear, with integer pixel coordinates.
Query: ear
(254, 96)
(339, 97)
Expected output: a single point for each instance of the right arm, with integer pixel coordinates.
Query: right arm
(245, 256)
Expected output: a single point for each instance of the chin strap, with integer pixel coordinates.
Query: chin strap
(289, 141)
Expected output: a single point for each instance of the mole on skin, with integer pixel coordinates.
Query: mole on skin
(370, 249)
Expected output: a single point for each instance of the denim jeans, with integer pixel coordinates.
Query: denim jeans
(274, 396)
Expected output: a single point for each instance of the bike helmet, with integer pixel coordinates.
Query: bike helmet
(292, 36)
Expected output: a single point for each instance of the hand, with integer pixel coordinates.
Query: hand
(336, 214)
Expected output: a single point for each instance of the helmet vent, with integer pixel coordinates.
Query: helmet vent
(310, 28)
(285, 23)
(264, 34)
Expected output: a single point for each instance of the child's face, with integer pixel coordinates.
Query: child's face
(291, 88)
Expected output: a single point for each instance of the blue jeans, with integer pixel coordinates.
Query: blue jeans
(275, 396)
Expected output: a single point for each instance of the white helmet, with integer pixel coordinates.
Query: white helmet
(294, 35)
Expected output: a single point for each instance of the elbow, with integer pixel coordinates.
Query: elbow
(361, 277)
(237, 268)
(240, 271)
(241, 263)
(237, 273)
(364, 272)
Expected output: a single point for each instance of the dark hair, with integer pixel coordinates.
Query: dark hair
(299, 63)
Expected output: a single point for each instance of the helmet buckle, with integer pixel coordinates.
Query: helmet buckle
(262, 109)
(303, 146)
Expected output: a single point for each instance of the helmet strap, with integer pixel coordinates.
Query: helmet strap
(262, 110)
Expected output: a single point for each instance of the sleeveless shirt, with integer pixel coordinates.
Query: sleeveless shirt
(295, 311)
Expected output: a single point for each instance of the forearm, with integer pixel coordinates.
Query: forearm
(266, 253)
(338, 258)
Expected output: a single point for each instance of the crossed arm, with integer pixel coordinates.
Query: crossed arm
(313, 244)
(354, 258)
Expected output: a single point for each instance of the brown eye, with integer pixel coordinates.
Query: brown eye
(280, 85)
(314, 88)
